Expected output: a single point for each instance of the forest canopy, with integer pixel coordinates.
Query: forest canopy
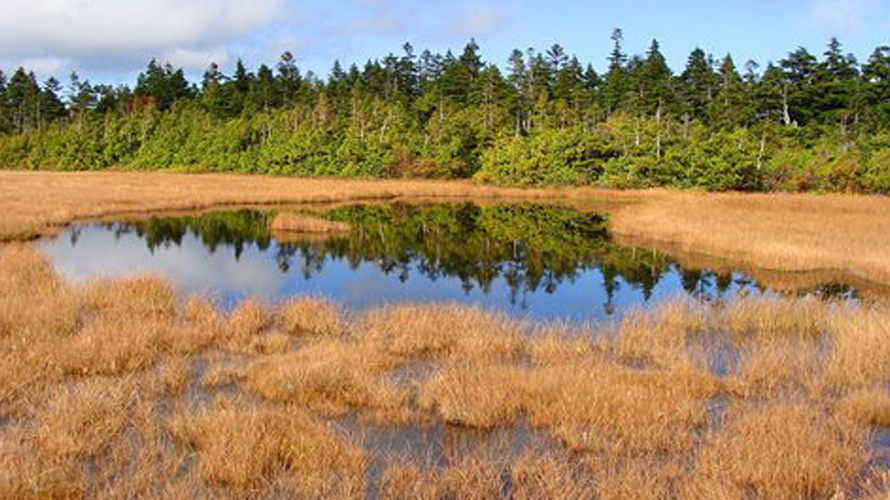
(810, 122)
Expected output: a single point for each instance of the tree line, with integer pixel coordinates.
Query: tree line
(807, 122)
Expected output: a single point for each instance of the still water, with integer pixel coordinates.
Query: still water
(531, 261)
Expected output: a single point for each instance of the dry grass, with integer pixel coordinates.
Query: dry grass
(34, 203)
(550, 474)
(331, 376)
(472, 478)
(476, 395)
(245, 448)
(175, 374)
(85, 419)
(442, 331)
(861, 349)
(659, 336)
(870, 406)
(486, 474)
(783, 451)
(592, 406)
(778, 368)
(286, 222)
(768, 319)
(100, 396)
(790, 232)
(311, 316)
(646, 477)
(607, 407)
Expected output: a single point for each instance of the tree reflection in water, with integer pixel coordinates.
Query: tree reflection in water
(533, 248)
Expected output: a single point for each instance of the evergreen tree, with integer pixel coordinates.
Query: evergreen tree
(799, 72)
(698, 84)
(5, 120)
(23, 100)
(836, 85)
(162, 84)
(212, 96)
(877, 95)
(616, 83)
(549, 118)
(653, 83)
(518, 79)
(289, 79)
(52, 107)
(730, 108)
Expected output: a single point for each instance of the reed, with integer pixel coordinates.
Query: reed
(119, 389)
(244, 448)
(296, 223)
(783, 451)
(790, 232)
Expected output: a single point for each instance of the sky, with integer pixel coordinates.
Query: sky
(112, 40)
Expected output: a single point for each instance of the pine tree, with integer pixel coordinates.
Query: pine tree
(698, 84)
(799, 72)
(52, 106)
(653, 83)
(289, 78)
(836, 86)
(729, 109)
(616, 83)
(877, 94)
(518, 79)
(5, 121)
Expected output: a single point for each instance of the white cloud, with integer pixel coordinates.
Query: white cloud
(386, 22)
(476, 20)
(190, 30)
(842, 16)
(41, 65)
(197, 59)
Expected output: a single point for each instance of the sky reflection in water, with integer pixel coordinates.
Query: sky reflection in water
(540, 262)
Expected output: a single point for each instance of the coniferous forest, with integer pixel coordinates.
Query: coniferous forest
(810, 122)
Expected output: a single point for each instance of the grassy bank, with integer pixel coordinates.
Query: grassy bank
(845, 234)
(116, 389)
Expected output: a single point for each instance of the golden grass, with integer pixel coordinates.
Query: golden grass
(790, 232)
(244, 448)
(870, 406)
(84, 419)
(471, 477)
(485, 474)
(764, 317)
(34, 203)
(331, 376)
(311, 316)
(550, 474)
(861, 349)
(778, 368)
(476, 395)
(781, 451)
(607, 407)
(117, 389)
(441, 331)
(286, 222)
(647, 477)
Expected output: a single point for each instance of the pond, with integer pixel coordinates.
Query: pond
(531, 261)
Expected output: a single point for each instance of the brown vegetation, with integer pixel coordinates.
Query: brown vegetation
(287, 222)
(117, 389)
(836, 234)
(791, 232)
(243, 448)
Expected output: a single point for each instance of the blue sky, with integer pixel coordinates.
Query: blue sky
(110, 40)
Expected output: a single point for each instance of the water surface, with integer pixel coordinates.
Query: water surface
(536, 261)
